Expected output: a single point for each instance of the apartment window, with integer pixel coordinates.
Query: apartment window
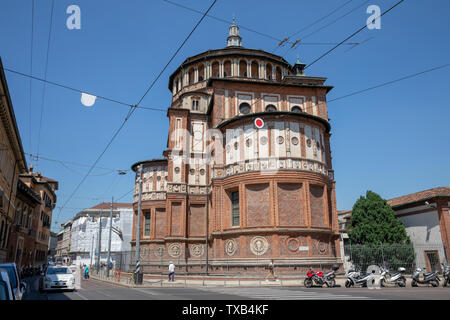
(235, 208)
(194, 105)
(147, 225)
(2, 150)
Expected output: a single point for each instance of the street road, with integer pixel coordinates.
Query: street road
(98, 290)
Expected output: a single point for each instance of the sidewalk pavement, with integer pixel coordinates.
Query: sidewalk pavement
(215, 281)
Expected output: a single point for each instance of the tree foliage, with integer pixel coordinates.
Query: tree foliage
(373, 221)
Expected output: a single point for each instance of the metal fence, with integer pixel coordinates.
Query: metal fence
(392, 256)
(426, 256)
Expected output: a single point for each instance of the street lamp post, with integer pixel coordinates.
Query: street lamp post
(138, 228)
(109, 243)
(99, 240)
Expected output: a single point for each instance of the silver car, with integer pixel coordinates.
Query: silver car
(19, 288)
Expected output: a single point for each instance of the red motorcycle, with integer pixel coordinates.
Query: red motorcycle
(319, 279)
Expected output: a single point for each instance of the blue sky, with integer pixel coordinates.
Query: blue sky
(392, 140)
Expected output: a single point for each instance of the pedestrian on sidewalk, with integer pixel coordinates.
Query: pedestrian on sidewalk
(171, 271)
(271, 273)
(86, 272)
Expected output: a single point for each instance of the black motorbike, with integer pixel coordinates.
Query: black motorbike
(446, 273)
(428, 278)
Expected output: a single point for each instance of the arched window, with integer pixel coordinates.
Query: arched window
(191, 76)
(269, 71)
(296, 109)
(254, 69)
(243, 68)
(244, 108)
(227, 68)
(271, 108)
(215, 69)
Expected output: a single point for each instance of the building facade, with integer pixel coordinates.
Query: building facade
(85, 235)
(63, 244)
(247, 168)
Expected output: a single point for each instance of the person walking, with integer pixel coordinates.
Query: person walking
(271, 272)
(171, 271)
(86, 272)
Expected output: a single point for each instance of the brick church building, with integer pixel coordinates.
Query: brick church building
(247, 169)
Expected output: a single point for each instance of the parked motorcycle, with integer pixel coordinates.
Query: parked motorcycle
(446, 273)
(318, 278)
(396, 278)
(354, 278)
(428, 278)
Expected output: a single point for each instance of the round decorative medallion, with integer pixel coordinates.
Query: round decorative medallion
(294, 141)
(259, 245)
(236, 145)
(230, 247)
(202, 172)
(280, 140)
(292, 244)
(192, 171)
(159, 252)
(248, 143)
(197, 250)
(322, 247)
(263, 140)
(308, 142)
(177, 170)
(174, 250)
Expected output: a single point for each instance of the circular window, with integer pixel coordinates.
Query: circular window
(296, 109)
(294, 141)
(248, 143)
(244, 108)
(280, 140)
(236, 145)
(263, 140)
(308, 142)
(192, 171)
(202, 172)
(177, 170)
(271, 108)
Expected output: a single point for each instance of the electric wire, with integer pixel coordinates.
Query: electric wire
(132, 109)
(45, 77)
(31, 72)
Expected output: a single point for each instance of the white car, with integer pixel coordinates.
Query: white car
(58, 278)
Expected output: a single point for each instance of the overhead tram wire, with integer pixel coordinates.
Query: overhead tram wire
(330, 23)
(281, 85)
(352, 35)
(390, 82)
(313, 23)
(45, 77)
(82, 91)
(31, 71)
(241, 26)
(133, 109)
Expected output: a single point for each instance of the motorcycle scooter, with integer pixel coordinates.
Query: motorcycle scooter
(318, 278)
(354, 278)
(446, 273)
(397, 278)
(428, 278)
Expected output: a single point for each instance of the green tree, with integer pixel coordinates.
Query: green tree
(374, 222)
(377, 236)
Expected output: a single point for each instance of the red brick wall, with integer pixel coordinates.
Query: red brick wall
(290, 204)
(176, 219)
(160, 222)
(258, 205)
(317, 207)
(197, 220)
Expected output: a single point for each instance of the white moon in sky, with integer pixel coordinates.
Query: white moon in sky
(87, 99)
